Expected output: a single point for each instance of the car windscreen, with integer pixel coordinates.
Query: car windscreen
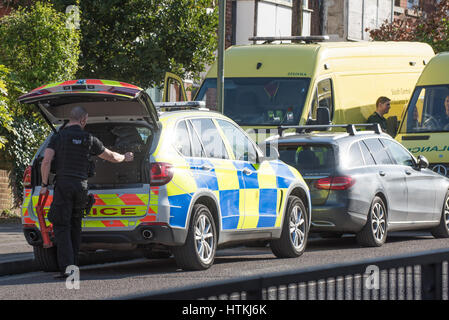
(258, 101)
(309, 159)
(428, 110)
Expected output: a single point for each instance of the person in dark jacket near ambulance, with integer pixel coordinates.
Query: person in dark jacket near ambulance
(382, 108)
(71, 147)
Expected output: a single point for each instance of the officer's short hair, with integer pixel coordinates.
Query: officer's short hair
(78, 113)
(382, 100)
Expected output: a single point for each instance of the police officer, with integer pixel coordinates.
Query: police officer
(72, 147)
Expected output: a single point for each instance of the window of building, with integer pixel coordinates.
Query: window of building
(411, 4)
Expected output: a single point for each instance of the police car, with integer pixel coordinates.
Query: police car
(197, 180)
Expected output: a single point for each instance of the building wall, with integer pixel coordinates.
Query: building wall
(6, 196)
(348, 19)
(244, 21)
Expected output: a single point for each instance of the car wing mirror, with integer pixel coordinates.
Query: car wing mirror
(323, 116)
(423, 163)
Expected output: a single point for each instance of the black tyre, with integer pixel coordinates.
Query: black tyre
(292, 242)
(46, 258)
(374, 233)
(198, 252)
(442, 231)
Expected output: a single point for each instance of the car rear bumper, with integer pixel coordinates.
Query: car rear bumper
(336, 219)
(141, 235)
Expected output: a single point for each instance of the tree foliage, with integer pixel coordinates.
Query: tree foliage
(5, 114)
(137, 41)
(431, 27)
(37, 46)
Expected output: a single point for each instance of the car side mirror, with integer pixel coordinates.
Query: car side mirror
(423, 163)
(323, 116)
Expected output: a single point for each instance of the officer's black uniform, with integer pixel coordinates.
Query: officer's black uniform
(72, 148)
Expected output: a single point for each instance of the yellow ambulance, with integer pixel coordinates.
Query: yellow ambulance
(267, 85)
(425, 126)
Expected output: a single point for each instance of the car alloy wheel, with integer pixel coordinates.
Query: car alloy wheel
(446, 212)
(297, 227)
(374, 233)
(378, 221)
(198, 251)
(293, 240)
(204, 239)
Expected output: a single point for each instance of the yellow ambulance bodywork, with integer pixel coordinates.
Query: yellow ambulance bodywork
(359, 72)
(426, 132)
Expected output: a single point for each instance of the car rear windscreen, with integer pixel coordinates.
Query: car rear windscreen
(310, 160)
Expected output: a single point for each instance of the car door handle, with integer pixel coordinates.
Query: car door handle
(382, 173)
(247, 171)
(206, 167)
(408, 172)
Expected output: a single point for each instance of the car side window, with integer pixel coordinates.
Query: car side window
(242, 146)
(354, 158)
(398, 152)
(367, 156)
(182, 140)
(212, 142)
(378, 151)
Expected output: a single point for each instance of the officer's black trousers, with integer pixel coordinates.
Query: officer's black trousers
(66, 215)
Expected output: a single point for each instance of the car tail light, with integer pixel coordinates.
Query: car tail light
(27, 178)
(161, 173)
(335, 183)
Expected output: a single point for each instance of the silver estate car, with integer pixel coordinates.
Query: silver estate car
(366, 183)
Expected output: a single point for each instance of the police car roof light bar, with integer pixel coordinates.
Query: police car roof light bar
(183, 105)
(306, 39)
(350, 128)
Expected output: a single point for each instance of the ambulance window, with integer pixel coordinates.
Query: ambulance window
(428, 110)
(211, 139)
(182, 140)
(242, 147)
(323, 98)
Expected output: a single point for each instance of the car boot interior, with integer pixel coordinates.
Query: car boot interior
(121, 138)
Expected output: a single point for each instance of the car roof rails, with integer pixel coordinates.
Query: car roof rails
(306, 39)
(181, 105)
(350, 128)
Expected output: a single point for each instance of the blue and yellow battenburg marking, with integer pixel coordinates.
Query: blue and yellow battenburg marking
(248, 199)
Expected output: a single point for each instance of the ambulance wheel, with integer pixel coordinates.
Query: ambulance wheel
(46, 258)
(292, 242)
(198, 252)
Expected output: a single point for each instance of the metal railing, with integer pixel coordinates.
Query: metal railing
(418, 276)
